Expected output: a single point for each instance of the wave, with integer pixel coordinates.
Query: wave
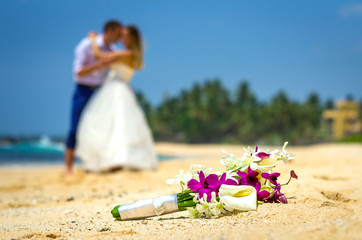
(44, 151)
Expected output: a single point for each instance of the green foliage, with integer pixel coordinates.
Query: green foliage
(208, 112)
(352, 139)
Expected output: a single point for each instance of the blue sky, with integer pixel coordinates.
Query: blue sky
(296, 46)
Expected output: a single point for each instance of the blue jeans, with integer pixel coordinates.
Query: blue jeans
(81, 96)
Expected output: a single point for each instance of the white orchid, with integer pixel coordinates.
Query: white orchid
(203, 207)
(233, 163)
(231, 174)
(193, 212)
(230, 161)
(184, 177)
(284, 155)
(207, 208)
(216, 207)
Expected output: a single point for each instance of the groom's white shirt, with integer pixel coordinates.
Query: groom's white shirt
(84, 57)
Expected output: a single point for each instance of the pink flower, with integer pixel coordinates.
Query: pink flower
(261, 194)
(215, 183)
(262, 155)
(203, 187)
(249, 178)
(209, 184)
(271, 177)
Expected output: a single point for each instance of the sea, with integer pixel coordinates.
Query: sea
(42, 152)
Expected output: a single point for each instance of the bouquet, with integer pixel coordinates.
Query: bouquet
(247, 181)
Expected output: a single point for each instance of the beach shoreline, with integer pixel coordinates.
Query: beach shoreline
(325, 202)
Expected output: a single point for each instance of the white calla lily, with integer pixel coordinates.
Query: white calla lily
(242, 197)
(267, 164)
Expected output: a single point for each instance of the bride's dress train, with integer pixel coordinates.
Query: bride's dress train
(113, 131)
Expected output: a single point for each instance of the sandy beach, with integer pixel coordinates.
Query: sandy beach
(325, 202)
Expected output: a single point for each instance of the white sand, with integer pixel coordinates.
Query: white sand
(39, 203)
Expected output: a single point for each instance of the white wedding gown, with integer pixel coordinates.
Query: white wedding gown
(113, 131)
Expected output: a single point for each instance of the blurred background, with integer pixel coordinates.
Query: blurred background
(215, 72)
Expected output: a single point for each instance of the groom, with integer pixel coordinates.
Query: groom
(89, 74)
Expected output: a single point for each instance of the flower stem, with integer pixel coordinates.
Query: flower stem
(185, 200)
(115, 213)
(286, 182)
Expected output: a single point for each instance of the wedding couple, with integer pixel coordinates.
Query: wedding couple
(108, 129)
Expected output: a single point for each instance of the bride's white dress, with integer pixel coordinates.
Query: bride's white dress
(113, 131)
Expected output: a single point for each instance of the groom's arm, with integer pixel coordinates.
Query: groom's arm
(83, 65)
(115, 54)
(86, 70)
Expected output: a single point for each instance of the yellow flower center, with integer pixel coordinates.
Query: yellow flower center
(242, 193)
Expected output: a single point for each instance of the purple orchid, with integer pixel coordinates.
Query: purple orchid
(243, 178)
(249, 178)
(205, 186)
(201, 187)
(209, 184)
(223, 180)
(262, 155)
(283, 198)
(278, 196)
(273, 177)
(261, 194)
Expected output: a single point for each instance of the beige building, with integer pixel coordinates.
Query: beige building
(343, 121)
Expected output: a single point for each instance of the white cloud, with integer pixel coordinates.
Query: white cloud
(352, 9)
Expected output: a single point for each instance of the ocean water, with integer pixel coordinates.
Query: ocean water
(42, 152)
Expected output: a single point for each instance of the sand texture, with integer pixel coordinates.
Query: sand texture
(325, 203)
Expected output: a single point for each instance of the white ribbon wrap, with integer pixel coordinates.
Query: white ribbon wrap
(149, 208)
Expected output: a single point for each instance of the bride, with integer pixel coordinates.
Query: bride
(113, 132)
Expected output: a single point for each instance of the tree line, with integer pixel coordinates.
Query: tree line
(210, 113)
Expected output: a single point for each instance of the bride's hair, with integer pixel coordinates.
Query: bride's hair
(136, 47)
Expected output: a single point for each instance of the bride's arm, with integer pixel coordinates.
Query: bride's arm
(119, 55)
